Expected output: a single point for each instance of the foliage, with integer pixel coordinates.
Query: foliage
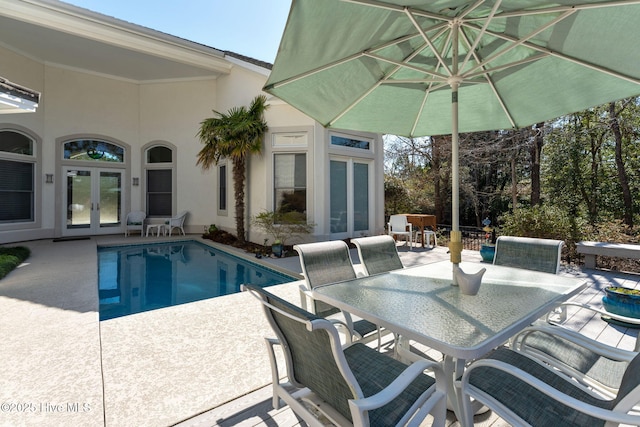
(235, 135)
(396, 197)
(11, 257)
(545, 222)
(282, 226)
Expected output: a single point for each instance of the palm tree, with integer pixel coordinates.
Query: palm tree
(236, 135)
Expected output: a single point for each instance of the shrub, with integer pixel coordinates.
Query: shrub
(11, 257)
(545, 222)
(282, 226)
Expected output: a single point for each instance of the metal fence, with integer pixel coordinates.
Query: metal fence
(472, 237)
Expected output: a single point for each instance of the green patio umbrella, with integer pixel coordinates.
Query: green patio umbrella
(417, 67)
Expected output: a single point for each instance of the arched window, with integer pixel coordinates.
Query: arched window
(160, 173)
(93, 150)
(17, 177)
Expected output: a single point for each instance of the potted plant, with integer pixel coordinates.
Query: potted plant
(622, 301)
(488, 248)
(281, 226)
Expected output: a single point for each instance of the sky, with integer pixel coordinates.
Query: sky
(247, 27)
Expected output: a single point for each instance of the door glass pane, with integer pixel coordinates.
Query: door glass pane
(110, 199)
(360, 196)
(93, 150)
(78, 199)
(338, 196)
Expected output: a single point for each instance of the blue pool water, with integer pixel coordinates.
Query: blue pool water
(132, 279)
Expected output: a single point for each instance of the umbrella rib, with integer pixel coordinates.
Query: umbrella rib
(314, 71)
(554, 9)
(353, 104)
(550, 52)
(520, 41)
(405, 65)
(426, 38)
(485, 71)
(493, 87)
(483, 30)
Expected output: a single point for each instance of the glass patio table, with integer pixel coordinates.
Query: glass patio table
(420, 304)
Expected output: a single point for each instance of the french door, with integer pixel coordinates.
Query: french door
(92, 201)
(349, 198)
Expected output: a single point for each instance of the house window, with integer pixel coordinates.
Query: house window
(160, 171)
(17, 177)
(222, 187)
(93, 150)
(159, 155)
(350, 142)
(290, 182)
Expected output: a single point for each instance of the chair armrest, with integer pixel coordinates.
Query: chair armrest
(275, 375)
(574, 337)
(544, 388)
(602, 312)
(631, 320)
(305, 296)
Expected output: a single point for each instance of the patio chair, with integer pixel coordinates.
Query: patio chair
(528, 253)
(595, 365)
(176, 222)
(559, 315)
(354, 385)
(524, 391)
(378, 254)
(399, 226)
(134, 221)
(329, 262)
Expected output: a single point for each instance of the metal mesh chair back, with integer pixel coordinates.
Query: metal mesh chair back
(630, 384)
(313, 363)
(528, 253)
(378, 254)
(323, 263)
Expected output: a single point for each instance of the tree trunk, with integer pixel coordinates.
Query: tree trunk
(239, 168)
(536, 151)
(622, 173)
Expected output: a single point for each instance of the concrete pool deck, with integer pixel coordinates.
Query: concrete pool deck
(63, 367)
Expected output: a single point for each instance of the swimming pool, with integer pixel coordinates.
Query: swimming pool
(133, 279)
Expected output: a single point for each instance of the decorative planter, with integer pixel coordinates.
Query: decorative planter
(622, 301)
(487, 251)
(276, 249)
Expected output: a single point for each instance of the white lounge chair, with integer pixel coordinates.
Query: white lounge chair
(135, 221)
(177, 222)
(399, 226)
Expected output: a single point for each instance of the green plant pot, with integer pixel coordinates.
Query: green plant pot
(487, 252)
(277, 250)
(622, 301)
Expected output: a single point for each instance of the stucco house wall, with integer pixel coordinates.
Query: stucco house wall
(137, 114)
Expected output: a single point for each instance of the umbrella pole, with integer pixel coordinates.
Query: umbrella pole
(455, 242)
